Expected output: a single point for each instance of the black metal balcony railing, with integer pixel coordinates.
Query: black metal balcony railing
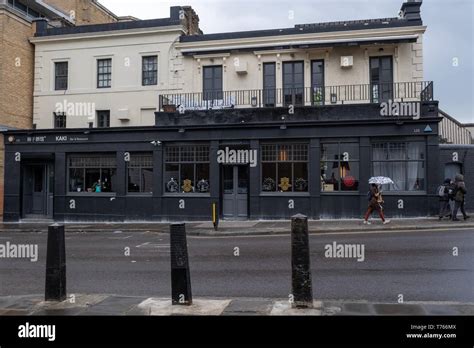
(310, 96)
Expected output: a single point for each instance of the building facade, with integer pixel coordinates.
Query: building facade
(264, 124)
(107, 75)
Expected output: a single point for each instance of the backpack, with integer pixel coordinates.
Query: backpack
(451, 192)
(441, 191)
(369, 196)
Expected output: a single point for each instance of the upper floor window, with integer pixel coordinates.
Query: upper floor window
(150, 71)
(103, 119)
(293, 83)
(269, 84)
(381, 79)
(60, 120)
(212, 80)
(104, 73)
(317, 82)
(60, 76)
(25, 9)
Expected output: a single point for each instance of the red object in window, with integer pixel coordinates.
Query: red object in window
(349, 181)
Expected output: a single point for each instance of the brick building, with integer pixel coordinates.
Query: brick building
(84, 11)
(17, 25)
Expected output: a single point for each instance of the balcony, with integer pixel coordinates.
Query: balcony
(298, 97)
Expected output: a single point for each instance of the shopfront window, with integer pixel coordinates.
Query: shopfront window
(92, 173)
(187, 169)
(285, 168)
(339, 167)
(140, 173)
(403, 162)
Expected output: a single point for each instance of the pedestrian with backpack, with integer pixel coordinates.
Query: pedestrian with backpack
(459, 197)
(375, 204)
(444, 197)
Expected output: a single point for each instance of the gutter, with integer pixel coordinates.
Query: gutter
(299, 43)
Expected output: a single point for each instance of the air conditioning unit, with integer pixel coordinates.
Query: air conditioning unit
(347, 61)
(123, 115)
(241, 68)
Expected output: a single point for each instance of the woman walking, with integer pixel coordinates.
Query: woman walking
(375, 204)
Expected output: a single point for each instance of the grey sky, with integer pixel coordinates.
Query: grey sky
(449, 35)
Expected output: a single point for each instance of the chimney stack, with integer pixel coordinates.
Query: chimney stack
(188, 18)
(40, 25)
(411, 10)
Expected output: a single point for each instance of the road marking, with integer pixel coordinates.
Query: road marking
(120, 238)
(149, 245)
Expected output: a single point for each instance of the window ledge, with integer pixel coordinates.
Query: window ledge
(405, 193)
(350, 193)
(185, 195)
(285, 194)
(92, 194)
(138, 194)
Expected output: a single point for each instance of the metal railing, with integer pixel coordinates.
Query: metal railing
(308, 96)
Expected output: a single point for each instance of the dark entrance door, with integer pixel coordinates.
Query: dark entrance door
(37, 196)
(235, 181)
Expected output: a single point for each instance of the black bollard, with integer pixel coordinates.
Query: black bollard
(180, 277)
(300, 263)
(56, 264)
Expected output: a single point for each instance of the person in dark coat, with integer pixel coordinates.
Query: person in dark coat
(444, 200)
(375, 204)
(459, 197)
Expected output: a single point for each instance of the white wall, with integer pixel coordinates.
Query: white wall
(178, 73)
(126, 98)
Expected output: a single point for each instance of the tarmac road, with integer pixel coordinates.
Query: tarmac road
(419, 265)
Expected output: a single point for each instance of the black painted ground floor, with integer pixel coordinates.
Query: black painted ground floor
(249, 171)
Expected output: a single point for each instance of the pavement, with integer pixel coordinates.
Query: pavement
(115, 305)
(239, 228)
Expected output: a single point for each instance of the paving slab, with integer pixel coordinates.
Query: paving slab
(399, 309)
(58, 312)
(284, 308)
(79, 300)
(163, 307)
(246, 307)
(114, 305)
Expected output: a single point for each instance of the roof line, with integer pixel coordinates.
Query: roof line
(451, 118)
(307, 29)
